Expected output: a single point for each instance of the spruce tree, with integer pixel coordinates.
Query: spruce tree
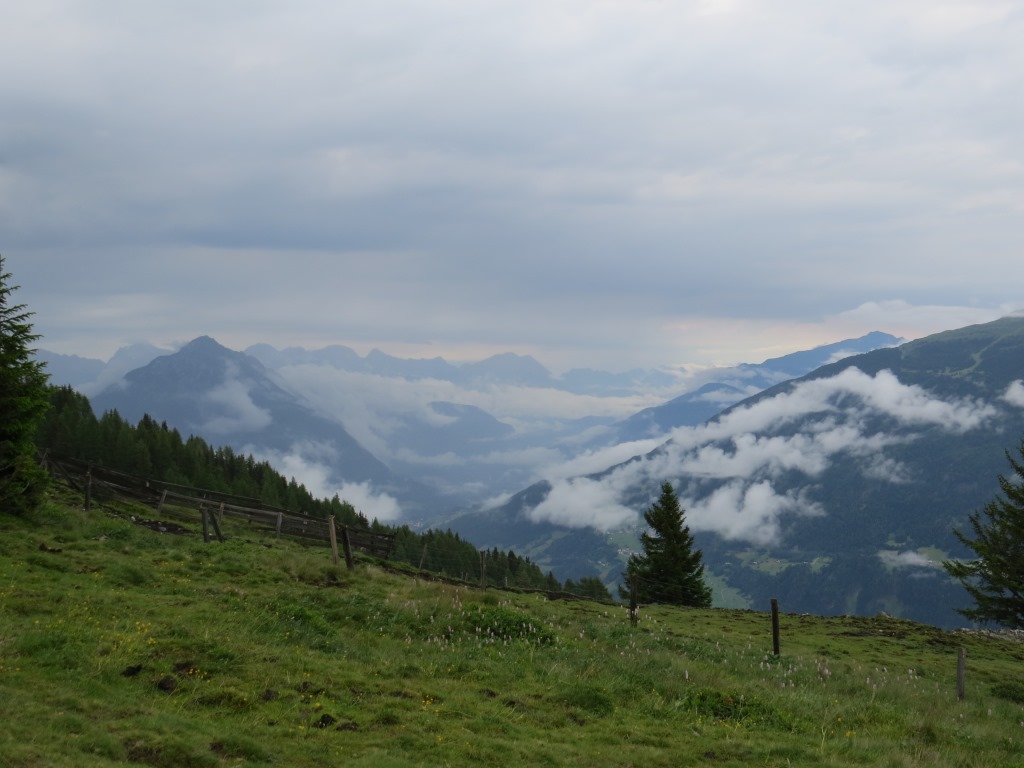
(670, 569)
(591, 587)
(995, 579)
(24, 398)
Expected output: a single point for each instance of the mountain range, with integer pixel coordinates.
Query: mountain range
(731, 385)
(835, 492)
(426, 439)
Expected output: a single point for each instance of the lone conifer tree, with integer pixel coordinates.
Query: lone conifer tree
(996, 578)
(23, 400)
(670, 570)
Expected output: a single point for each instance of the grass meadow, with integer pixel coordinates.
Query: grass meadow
(122, 645)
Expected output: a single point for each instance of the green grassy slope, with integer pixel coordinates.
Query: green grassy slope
(120, 645)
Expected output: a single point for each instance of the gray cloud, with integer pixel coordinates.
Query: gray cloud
(611, 184)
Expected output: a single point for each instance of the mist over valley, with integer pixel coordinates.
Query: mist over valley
(811, 476)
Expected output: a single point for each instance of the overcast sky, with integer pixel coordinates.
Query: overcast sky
(593, 182)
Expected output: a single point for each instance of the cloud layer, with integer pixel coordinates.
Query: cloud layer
(606, 184)
(734, 475)
(302, 464)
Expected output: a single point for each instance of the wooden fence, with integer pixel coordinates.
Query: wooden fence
(96, 481)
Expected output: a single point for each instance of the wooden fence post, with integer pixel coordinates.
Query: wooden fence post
(334, 539)
(280, 519)
(483, 572)
(88, 488)
(163, 498)
(775, 626)
(206, 523)
(216, 523)
(423, 557)
(961, 674)
(346, 545)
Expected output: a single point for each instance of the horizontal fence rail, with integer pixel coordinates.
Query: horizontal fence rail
(96, 481)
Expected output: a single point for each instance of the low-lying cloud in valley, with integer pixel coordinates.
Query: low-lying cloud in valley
(753, 511)
(362, 402)
(583, 503)
(398, 420)
(235, 408)
(893, 559)
(729, 472)
(1014, 394)
(299, 464)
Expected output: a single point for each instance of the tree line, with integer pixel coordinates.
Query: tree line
(159, 452)
(69, 427)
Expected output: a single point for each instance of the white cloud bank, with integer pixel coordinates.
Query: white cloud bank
(893, 559)
(374, 504)
(371, 407)
(317, 478)
(581, 503)
(727, 471)
(234, 403)
(1014, 394)
(748, 510)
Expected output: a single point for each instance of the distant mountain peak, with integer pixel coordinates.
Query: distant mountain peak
(800, 363)
(230, 397)
(204, 343)
(509, 368)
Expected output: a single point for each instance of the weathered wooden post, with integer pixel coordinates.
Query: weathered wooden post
(88, 488)
(961, 674)
(334, 539)
(346, 546)
(775, 626)
(206, 523)
(215, 519)
(163, 498)
(423, 557)
(483, 572)
(632, 602)
(280, 519)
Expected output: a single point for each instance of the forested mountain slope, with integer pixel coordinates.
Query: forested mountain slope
(837, 492)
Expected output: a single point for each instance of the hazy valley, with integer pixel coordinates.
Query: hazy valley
(832, 478)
